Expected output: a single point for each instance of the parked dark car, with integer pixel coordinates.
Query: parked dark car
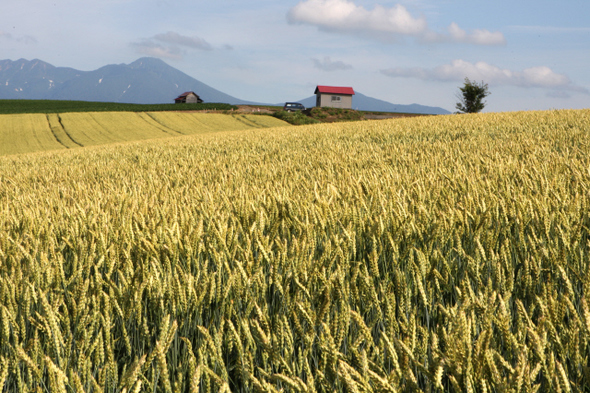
(293, 107)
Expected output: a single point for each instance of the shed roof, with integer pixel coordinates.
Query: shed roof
(185, 94)
(334, 90)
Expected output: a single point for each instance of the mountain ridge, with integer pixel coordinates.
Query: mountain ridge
(144, 81)
(147, 80)
(365, 103)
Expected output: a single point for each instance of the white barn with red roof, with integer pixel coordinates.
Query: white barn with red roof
(334, 96)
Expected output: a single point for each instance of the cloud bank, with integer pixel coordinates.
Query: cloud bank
(477, 37)
(170, 45)
(458, 70)
(344, 16)
(177, 39)
(328, 65)
(27, 39)
(153, 49)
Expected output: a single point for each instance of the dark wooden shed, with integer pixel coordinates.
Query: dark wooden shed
(188, 98)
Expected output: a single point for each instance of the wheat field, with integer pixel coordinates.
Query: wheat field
(444, 253)
(36, 132)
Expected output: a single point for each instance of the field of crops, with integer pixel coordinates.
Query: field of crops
(26, 133)
(427, 254)
(63, 106)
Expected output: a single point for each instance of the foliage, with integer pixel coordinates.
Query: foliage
(317, 115)
(335, 114)
(442, 253)
(58, 106)
(471, 96)
(295, 118)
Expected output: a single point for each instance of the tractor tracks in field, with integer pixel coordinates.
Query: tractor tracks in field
(59, 131)
(246, 121)
(152, 121)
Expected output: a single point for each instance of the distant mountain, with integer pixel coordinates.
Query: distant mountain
(145, 81)
(365, 103)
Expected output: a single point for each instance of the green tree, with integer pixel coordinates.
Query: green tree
(471, 96)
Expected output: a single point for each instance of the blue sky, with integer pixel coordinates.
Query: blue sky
(534, 55)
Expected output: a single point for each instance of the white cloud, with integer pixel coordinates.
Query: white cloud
(328, 65)
(477, 37)
(150, 48)
(458, 70)
(168, 45)
(190, 42)
(27, 39)
(345, 16)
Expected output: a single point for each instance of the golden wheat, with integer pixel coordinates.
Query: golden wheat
(436, 253)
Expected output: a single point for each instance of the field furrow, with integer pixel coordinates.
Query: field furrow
(26, 133)
(58, 131)
(148, 118)
(95, 128)
(199, 123)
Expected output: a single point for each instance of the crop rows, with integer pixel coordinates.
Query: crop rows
(33, 134)
(26, 133)
(426, 254)
(64, 106)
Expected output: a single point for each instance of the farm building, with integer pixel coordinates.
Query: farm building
(334, 97)
(188, 98)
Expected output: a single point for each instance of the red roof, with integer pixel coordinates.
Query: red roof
(334, 90)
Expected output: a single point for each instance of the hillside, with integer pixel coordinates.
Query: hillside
(27, 133)
(145, 81)
(62, 106)
(362, 102)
